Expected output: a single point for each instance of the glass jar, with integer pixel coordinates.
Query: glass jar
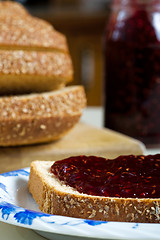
(132, 69)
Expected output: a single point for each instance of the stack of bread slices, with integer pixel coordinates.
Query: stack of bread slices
(35, 66)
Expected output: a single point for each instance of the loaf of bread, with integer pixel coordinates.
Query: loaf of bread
(34, 57)
(54, 197)
(37, 118)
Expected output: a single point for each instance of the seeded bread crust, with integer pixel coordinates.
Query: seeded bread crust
(34, 57)
(31, 71)
(21, 30)
(43, 117)
(54, 197)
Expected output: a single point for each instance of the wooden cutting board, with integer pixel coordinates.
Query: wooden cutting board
(82, 139)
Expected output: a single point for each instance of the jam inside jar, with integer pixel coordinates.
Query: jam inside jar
(132, 69)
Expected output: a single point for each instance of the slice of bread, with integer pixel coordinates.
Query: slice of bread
(24, 71)
(20, 30)
(34, 57)
(54, 197)
(43, 117)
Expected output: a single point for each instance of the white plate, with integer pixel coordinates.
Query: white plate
(17, 207)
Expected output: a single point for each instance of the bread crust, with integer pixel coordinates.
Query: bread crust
(31, 50)
(59, 199)
(19, 29)
(36, 118)
(29, 71)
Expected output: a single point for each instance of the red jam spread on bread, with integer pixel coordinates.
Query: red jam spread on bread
(125, 176)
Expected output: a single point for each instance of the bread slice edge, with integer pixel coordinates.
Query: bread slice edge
(54, 197)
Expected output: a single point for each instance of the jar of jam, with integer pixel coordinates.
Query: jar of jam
(132, 69)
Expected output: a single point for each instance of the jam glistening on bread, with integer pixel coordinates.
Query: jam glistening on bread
(123, 189)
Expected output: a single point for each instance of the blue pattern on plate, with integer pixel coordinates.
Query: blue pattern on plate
(27, 217)
(23, 216)
(7, 209)
(16, 173)
(136, 225)
(93, 222)
(3, 187)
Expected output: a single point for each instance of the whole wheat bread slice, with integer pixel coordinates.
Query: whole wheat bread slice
(54, 197)
(34, 57)
(43, 117)
(24, 71)
(20, 30)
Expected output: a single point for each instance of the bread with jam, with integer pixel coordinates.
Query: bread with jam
(127, 199)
